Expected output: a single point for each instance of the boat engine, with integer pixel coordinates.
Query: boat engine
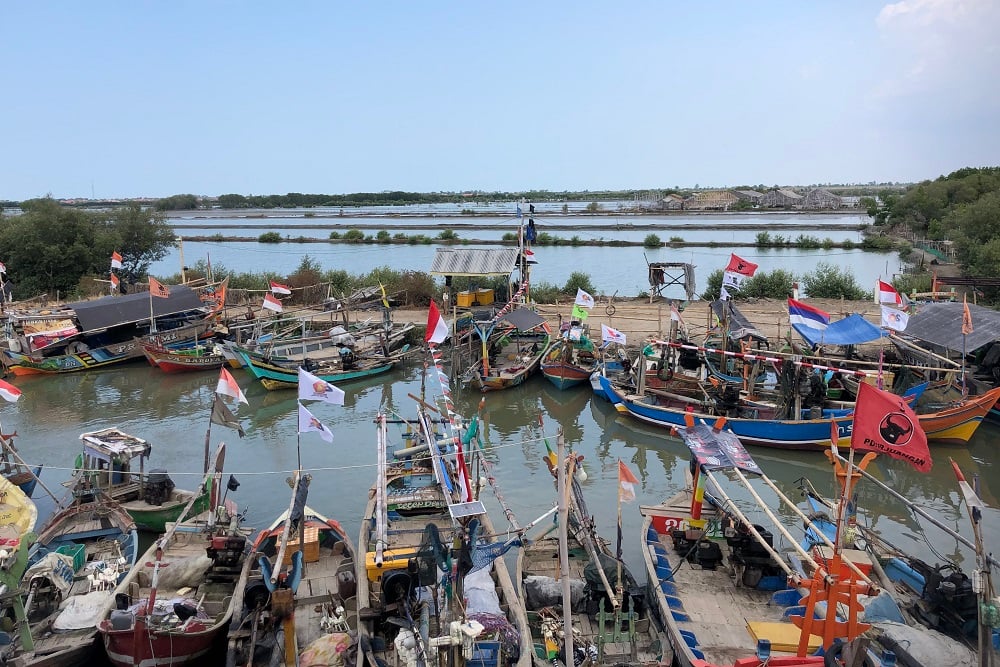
(751, 561)
(226, 550)
(158, 488)
(950, 601)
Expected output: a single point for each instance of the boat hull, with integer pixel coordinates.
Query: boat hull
(172, 361)
(154, 649)
(957, 425)
(154, 518)
(275, 377)
(20, 363)
(566, 376)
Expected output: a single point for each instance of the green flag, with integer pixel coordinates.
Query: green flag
(579, 313)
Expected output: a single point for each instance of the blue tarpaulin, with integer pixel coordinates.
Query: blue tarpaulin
(852, 330)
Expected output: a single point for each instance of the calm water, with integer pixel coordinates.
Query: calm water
(172, 412)
(621, 270)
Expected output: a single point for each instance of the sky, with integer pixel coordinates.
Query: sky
(145, 99)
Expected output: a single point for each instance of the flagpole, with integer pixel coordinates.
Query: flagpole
(618, 551)
(152, 320)
(567, 597)
(208, 433)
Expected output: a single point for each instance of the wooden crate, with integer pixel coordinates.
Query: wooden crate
(311, 554)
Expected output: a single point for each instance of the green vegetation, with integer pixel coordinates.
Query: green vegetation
(50, 248)
(383, 236)
(269, 237)
(177, 203)
(593, 207)
(354, 236)
(827, 281)
(447, 235)
(578, 280)
(763, 239)
(651, 241)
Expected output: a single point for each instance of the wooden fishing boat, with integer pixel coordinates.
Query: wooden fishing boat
(512, 350)
(570, 360)
(110, 330)
(171, 607)
(16, 538)
(931, 616)
(413, 597)
(14, 469)
(958, 423)
(724, 594)
(150, 498)
(782, 433)
(182, 360)
(81, 554)
(301, 595)
(346, 368)
(609, 609)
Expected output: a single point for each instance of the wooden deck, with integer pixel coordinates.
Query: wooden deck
(542, 559)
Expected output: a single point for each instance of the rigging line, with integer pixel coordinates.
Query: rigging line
(360, 466)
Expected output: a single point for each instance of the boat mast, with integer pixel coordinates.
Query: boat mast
(567, 596)
(381, 533)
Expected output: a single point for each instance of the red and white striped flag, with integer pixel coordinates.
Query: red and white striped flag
(116, 260)
(278, 288)
(272, 303)
(9, 392)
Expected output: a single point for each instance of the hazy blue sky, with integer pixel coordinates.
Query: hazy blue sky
(130, 99)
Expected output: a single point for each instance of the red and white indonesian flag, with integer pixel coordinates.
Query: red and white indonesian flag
(737, 272)
(312, 388)
(971, 497)
(583, 299)
(116, 260)
(9, 392)
(309, 424)
(626, 483)
(609, 335)
(227, 387)
(115, 283)
(437, 328)
(278, 288)
(888, 294)
(271, 303)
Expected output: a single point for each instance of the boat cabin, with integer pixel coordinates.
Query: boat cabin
(107, 462)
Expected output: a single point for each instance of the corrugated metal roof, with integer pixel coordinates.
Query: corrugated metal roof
(941, 324)
(474, 261)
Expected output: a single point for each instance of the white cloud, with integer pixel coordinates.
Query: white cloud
(941, 48)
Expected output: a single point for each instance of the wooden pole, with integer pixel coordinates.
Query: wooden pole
(567, 596)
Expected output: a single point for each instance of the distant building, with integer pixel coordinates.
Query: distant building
(751, 196)
(711, 200)
(820, 198)
(782, 198)
(850, 201)
(672, 202)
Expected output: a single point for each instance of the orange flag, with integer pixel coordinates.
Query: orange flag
(966, 317)
(158, 289)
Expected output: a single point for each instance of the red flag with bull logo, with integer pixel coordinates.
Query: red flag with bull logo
(884, 423)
